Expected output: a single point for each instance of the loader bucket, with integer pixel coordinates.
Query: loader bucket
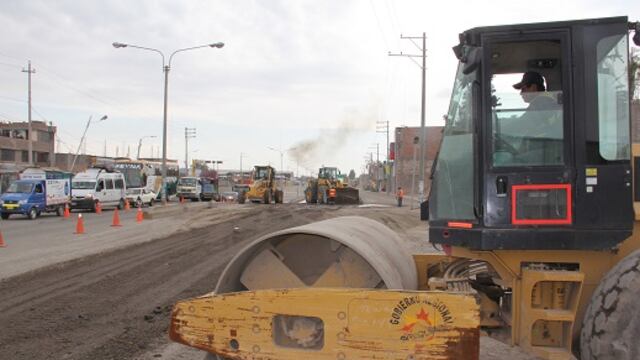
(347, 196)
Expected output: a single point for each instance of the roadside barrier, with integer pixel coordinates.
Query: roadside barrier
(2, 244)
(116, 219)
(98, 208)
(80, 225)
(127, 207)
(67, 213)
(139, 215)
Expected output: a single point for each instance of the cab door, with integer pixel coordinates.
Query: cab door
(39, 196)
(528, 160)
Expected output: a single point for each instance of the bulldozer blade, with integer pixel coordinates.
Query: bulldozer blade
(347, 196)
(325, 323)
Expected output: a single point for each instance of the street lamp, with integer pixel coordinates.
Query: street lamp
(140, 143)
(281, 154)
(166, 67)
(82, 139)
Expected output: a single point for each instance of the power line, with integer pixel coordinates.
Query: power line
(384, 39)
(49, 72)
(12, 99)
(10, 65)
(87, 94)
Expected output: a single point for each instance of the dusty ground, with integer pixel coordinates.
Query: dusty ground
(115, 305)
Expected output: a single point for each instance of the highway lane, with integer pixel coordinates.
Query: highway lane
(50, 239)
(31, 244)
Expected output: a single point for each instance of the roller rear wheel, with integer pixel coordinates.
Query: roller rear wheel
(611, 326)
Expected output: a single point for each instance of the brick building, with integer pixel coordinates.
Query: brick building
(407, 156)
(14, 143)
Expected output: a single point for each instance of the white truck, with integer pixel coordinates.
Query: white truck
(190, 187)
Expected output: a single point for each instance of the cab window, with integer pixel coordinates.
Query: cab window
(109, 184)
(613, 95)
(453, 194)
(526, 104)
(38, 189)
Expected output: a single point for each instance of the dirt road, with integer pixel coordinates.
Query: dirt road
(116, 305)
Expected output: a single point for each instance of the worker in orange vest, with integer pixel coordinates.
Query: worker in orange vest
(399, 196)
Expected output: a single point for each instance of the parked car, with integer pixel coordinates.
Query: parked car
(229, 196)
(140, 197)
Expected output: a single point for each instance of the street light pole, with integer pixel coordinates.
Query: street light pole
(82, 139)
(281, 155)
(166, 67)
(140, 144)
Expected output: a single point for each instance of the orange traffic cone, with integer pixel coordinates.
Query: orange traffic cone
(116, 218)
(98, 208)
(79, 225)
(139, 215)
(127, 207)
(67, 213)
(2, 244)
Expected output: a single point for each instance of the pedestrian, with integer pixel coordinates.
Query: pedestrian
(399, 196)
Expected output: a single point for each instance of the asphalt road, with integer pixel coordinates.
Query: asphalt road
(108, 294)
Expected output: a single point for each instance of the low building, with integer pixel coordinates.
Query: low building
(14, 143)
(406, 159)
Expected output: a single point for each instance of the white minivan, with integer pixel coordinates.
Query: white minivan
(98, 185)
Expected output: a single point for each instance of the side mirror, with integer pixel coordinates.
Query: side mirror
(424, 211)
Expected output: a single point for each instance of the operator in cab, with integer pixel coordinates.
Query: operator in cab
(533, 92)
(539, 128)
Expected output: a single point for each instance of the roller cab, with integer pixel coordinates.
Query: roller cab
(546, 169)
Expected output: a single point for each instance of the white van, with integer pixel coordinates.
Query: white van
(98, 185)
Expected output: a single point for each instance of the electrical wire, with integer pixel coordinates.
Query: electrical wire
(384, 38)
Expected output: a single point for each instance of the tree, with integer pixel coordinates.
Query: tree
(352, 174)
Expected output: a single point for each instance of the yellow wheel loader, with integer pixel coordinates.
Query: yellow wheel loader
(329, 188)
(264, 187)
(532, 204)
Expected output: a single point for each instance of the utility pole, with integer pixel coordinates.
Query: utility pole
(241, 174)
(383, 128)
(423, 130)
(30, 71)
(189, 133)
(104, 154)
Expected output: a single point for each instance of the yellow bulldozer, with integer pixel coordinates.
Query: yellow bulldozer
(532, 206)
(330, 187)
(264, 187)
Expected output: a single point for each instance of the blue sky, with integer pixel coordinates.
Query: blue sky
(290, 71)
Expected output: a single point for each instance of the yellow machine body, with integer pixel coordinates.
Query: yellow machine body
(315, 323)
(264, 187)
